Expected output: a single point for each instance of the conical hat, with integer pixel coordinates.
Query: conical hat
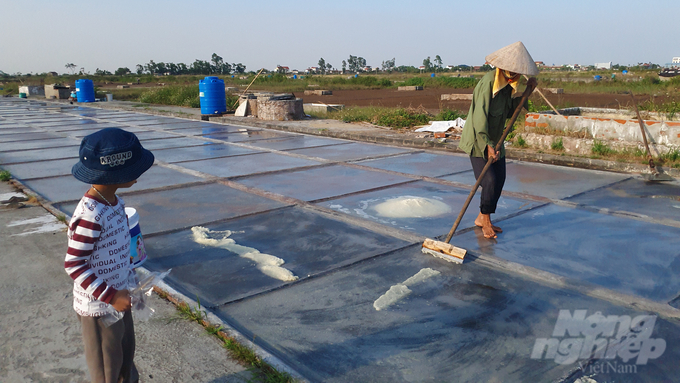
(514, 58)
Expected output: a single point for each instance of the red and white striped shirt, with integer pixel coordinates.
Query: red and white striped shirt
(98, 255)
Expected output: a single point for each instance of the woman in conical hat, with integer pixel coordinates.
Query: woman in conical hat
(492, 104)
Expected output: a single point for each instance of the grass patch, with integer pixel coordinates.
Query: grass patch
(10, 89)
(5, 175)
(261, 370)
(62, 218)
(180, 95)
(673, 155)
(520, 142)
(557, 144)
(670, 109)
(402, 118)
(396, 118)
(602, 149)
(449, 115)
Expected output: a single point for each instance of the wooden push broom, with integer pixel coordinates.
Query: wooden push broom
(445, 250)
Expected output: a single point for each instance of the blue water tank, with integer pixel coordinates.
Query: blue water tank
(212, 95)
(84, 90)
(598, 78)
(624, 71)
(294, 77)
(432, 75)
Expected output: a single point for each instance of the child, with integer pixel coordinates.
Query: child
(98, 256)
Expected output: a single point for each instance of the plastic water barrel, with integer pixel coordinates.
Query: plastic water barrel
(598, 78)
(432, 75)
(624, 71)
(84, 90)
(212, 96)
(294, 77)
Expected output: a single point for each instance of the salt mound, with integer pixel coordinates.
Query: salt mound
(411, 207)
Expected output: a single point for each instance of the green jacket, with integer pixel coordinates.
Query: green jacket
(486, 118)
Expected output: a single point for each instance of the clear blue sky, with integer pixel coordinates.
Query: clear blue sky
(43, 35)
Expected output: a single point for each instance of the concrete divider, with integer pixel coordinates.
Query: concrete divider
(623, 130)
(322, 108)
(318, 92)
(455, 96)
(410, 88)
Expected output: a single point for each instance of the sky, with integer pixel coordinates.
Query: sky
(39, 36)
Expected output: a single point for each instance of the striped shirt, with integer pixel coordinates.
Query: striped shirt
(98, 255)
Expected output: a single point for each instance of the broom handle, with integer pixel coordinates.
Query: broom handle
(508, 127)
(644, 135)
(544, 98)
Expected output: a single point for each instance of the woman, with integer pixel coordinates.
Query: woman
(492, 104)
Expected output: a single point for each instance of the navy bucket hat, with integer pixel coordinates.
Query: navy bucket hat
(111, 156)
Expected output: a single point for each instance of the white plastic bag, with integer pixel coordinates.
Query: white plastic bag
(144, 283)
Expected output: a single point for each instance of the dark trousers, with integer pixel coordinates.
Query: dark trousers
(492, 183)
(109, 351)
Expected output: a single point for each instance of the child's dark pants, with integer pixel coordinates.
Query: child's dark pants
(109, 351)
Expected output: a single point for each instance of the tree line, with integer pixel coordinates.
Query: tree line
(216, 65)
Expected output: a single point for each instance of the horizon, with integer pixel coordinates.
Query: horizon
(270, 33)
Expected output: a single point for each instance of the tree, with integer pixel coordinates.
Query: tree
(219, 66)
(344, 66)
(329, 67)
(140, 69)
(101, 72)
(239, 68)
(427, 64)
(122, 71)
(71, 67)
(438, 62)
(356, 64)
(388, 65)
(150, 67)
(322, 65)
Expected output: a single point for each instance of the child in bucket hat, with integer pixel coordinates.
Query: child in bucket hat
(98, 255)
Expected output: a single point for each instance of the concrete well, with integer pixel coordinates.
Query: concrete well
(279, 110)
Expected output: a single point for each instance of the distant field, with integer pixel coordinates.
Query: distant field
(380, 90)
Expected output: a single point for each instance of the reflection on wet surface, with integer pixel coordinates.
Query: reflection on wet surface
(422, 164)
(337, 180)
(555, 182)
(255, 163)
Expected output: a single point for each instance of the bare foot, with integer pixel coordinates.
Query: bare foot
(489, 230)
